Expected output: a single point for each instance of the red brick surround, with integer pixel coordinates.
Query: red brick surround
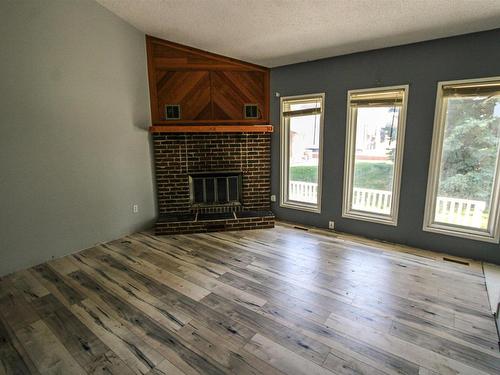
(179, 154)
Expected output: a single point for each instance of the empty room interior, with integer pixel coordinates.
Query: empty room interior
(249, 187)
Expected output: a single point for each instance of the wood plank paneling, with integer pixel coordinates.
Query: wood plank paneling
(175, 54)
(209, 87)
(190, 89)
(233, 89)
(277, 301)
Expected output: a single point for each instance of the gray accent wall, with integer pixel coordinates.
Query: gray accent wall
(74, 147)
(421, 66)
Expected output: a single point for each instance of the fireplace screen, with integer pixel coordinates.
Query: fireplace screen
(215, 188)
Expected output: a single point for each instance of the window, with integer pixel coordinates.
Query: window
(374, 152)
(463, 187)
(301, 151)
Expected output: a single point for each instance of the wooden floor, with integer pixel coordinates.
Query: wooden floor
(274, 301)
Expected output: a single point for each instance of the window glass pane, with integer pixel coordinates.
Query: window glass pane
(303, 158)
(302, 122)
(468, 160)
(375, 149)
(375, 137)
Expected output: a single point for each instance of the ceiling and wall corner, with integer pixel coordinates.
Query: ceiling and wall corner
(279, 32)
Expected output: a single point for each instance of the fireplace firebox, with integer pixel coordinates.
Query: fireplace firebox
(215, 189)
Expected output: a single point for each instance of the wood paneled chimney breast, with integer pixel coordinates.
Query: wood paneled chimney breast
(212, 141)
(208, 88)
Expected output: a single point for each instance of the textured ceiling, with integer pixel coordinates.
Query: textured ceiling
(280, 32)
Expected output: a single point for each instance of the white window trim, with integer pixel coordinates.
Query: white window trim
(492, 234)
(350, 146)
(284, 201)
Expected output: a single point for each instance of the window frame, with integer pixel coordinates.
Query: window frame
(284, 164)
(349, 159)
(492, 233)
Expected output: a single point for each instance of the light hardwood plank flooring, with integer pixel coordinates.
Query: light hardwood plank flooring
(274, 301)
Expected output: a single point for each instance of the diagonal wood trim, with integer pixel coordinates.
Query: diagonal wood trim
(212, 129)
(209, 87)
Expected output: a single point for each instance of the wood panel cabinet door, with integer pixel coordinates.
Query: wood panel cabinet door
(231, 90)
(189, 89)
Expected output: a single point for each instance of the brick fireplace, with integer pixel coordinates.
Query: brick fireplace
(231, 171)
(212, 140)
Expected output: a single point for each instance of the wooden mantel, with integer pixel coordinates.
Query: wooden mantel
(211, 129)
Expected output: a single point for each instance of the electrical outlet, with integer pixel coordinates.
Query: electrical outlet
(135, 208)
(273, 198)
(331, 224)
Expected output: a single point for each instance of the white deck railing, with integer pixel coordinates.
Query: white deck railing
(465, 212)
(303, 191)
(371, 200)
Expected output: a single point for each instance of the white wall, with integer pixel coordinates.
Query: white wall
(74, 147)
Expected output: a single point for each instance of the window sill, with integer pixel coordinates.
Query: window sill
(471, 234)
(301, 207)
(373, 218)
